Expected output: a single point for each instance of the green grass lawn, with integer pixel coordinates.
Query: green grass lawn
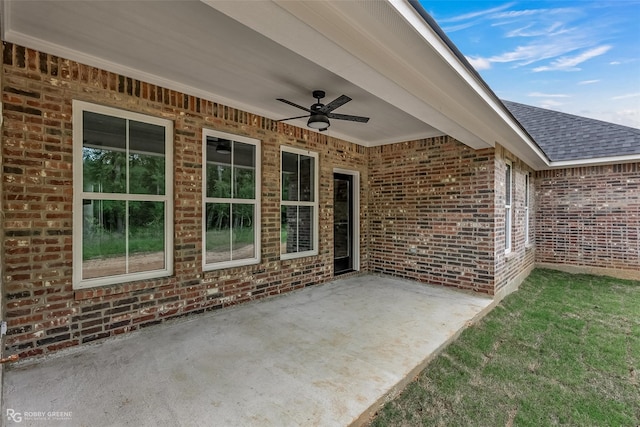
(563, 350)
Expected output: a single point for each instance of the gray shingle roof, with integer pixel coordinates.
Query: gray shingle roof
(567, 137)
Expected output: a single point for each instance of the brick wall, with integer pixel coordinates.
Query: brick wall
(44, 312)
(430, 210)
(432, 213)
(590, 217)
(512, 268)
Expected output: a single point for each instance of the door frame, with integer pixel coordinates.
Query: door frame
(355, 231)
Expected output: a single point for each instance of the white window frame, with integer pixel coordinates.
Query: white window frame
(526, 208)
(79, 107)
(508, 201)
(315, 203)
(256, 201)
(355, 230)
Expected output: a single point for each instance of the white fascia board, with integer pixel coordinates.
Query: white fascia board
(598, 161)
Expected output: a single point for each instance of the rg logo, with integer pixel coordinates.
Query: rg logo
(14, 416)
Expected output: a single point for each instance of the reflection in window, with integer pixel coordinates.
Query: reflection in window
(507, 207)
(299, 205)
(526, 208)
(231, 220)
(121, 203)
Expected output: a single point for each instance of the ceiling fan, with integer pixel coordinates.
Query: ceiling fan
(319, 114)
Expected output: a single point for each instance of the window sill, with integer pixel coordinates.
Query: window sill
(284, 257)
(230, 264)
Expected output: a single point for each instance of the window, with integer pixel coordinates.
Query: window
(507, 208)
(299, 203)
(123, 196)
(526, 208)
(231, 231)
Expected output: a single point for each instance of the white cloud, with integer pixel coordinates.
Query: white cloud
(477, 14)
(517, 13)
(535, 52)
(530, 12)
(627, 117)
(479, 63)
(554, 29)
(549, 103)
(458, 27)
(626, 96)
(624, 61)
(548, 95)
(552, 33)
(526, 55)
(568, 63)
(542, 39)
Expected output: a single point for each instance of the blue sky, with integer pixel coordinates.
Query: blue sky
(579, 57)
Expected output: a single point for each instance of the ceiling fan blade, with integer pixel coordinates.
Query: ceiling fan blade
(348, 117)
(339, 101)
(294, 105)
(291, 118)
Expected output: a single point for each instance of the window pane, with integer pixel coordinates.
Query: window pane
(102, 131)
(103, 153)
(244, 183)
(218, 167)
(289, 176)
(103, 238)
(219, 180)
(244, 163)
(243, 232)
(218, 150)
(507, 229)
(218, 232)
(307, 168)
(146, 138)
(103, 171)
(146, 158)
(146, 236)
(146, 174)
(305, 228)
(244, 155)
(507, 182)
(289, 229)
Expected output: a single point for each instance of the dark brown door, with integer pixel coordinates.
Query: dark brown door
(342, 223)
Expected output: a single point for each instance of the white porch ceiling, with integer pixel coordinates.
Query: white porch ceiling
(245, 54)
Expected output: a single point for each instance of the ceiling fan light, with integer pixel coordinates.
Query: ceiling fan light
(318, 121)
(223, 148)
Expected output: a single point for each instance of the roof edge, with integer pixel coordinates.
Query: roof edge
(598, 161)
(431, 22)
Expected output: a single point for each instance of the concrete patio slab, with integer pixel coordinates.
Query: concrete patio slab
(322, 356)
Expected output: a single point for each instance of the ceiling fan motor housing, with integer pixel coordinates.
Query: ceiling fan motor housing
(320, 114)
(318, 94)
